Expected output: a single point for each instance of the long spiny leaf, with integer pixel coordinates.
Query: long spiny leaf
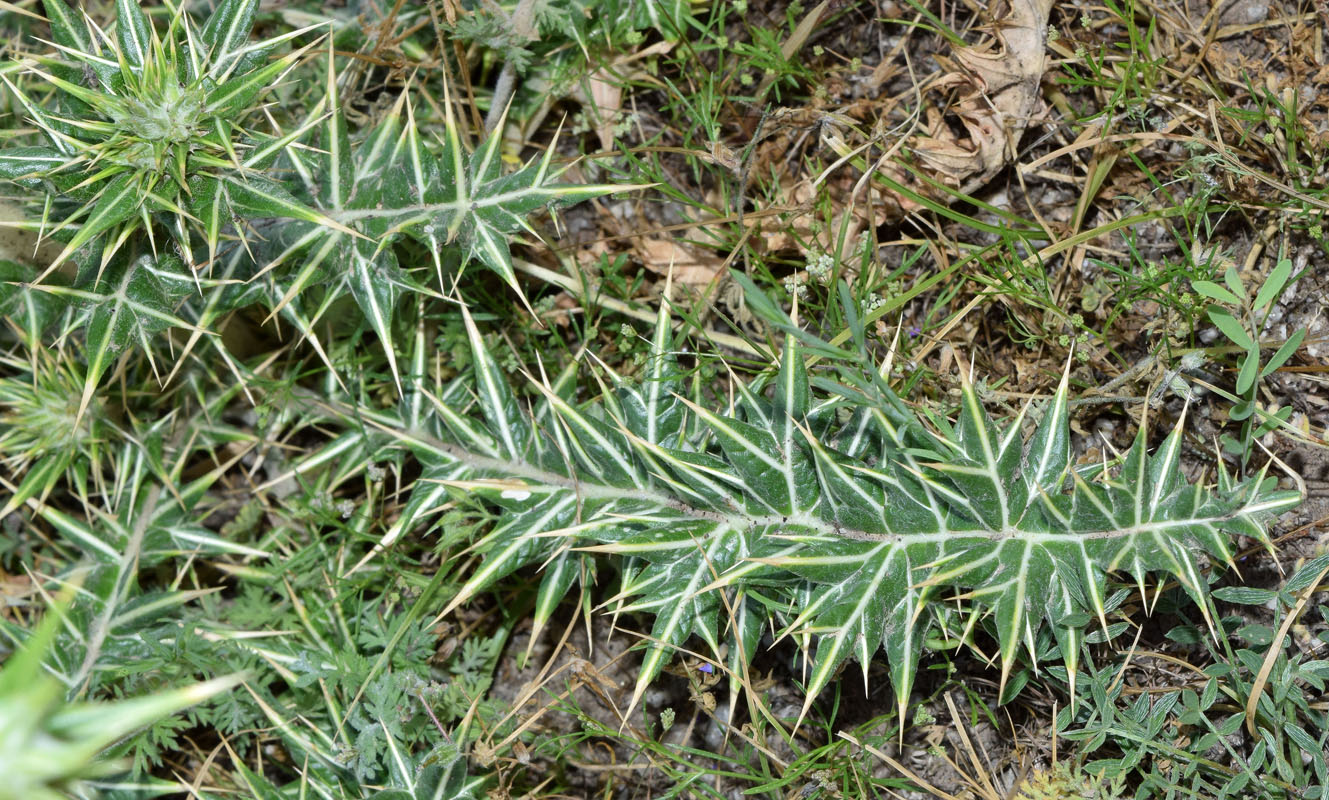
(853, 526)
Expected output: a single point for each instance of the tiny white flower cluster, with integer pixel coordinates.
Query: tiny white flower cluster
(820, 267)
(794, 286)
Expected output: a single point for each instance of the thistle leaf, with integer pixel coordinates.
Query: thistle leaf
(449, 196)
(34, 309)
(376, 283)
(852, 528)
(226, 32)
(237, 94)
(256, 196)
(119, 200)
(125, 305)
(66, 27)
(132, 32)
(18, 162)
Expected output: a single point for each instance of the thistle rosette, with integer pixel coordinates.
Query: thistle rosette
(145, 129)
(43, 429)
(146, 135)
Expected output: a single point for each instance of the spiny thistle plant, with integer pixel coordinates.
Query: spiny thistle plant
(42, 433)
(837, 511)
(142, 126)
(393, 187)
(146, 139)
(439, 773)
(50, 747)
(820, 505)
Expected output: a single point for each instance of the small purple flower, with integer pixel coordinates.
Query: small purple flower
(914, 330)
(706, 668)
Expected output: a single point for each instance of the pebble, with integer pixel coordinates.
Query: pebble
(1245, 12)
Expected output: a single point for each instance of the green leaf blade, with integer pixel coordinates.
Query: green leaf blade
(1284, 353)
(376, 283)
(226, 32)
(1231, 327)
(132, 32)
(1215, 292)
(1274, 284)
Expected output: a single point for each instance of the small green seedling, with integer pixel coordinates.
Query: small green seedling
(1240, 318)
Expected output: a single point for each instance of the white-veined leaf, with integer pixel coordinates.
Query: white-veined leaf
(852, 528)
